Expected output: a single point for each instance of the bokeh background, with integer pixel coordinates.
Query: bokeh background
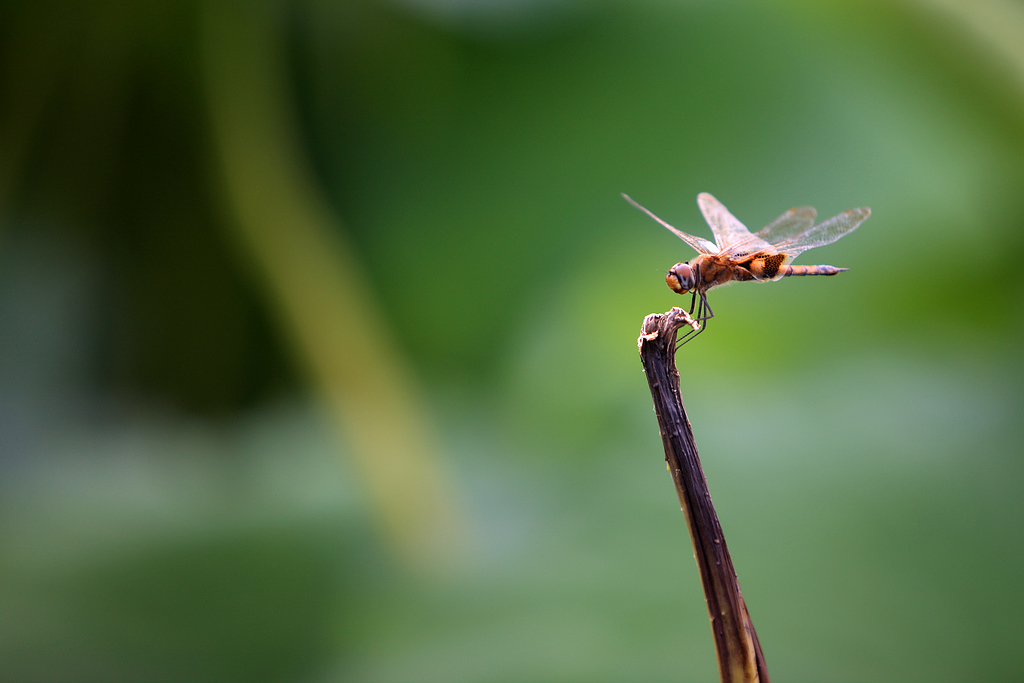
(318, 326)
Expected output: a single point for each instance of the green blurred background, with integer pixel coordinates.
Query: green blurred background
(318, 326)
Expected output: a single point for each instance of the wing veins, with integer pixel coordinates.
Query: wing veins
(791, 223)
(728, 229)
(698, 243)
(824, 233)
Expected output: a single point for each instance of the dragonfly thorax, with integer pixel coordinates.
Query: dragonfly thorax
(681, 278)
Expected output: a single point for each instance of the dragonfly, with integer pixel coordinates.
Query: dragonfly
(738, 255)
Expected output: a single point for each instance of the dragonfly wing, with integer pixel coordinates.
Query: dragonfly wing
(699, 243)
(749, 245)
(726, 227)
(793, 222)
(824, 233)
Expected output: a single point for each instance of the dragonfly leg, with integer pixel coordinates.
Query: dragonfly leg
(703, 314)
(704, 311)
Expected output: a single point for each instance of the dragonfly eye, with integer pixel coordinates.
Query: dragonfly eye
(680, 278)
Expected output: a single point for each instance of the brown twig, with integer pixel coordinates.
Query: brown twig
(740, 659)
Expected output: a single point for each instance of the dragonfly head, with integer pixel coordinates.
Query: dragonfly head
(681, 278)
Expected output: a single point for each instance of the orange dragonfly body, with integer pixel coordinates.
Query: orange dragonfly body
(738, 255)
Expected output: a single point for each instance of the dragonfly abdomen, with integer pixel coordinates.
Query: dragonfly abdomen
(786, 271)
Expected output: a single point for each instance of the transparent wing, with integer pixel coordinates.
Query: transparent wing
(726, 227)
(823, 233)
(793, 222)
(699, 243)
